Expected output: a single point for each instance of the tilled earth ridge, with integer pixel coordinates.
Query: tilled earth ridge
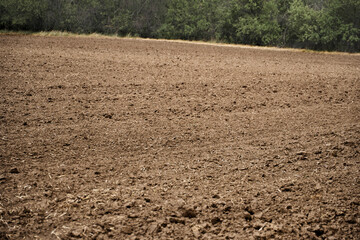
(136, 139)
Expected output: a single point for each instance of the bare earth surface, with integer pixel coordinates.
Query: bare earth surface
(134, 139)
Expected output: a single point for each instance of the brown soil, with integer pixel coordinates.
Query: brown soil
(136, 139)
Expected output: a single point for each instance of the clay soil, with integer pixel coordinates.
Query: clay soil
(108, 138)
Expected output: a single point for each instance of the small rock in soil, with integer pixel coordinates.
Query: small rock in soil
(106, 115)
(196, 231)
(156, 208)
(3, 236)
(127, 230)
(247, 216)
(102, 237)
(154, 228)
(318, 231)
(14, 170)
(76, 233)
(249, 210)
(289, 187)
(350, 219)
(301, 153)
(130, 204)
(189, 213)
(215, 220)
(259, 235)
(176, 220)
(227, 209)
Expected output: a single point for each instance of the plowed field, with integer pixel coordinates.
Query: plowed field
(108, 138)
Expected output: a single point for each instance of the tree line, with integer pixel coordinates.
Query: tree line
(332, 25)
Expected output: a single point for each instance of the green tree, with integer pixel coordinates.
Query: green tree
(192, 19)
(22, 14)
(315, 24)
(252, 22)
(303, 25)
(340, 25)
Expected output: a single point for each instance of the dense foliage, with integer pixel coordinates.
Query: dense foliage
(313, 24)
